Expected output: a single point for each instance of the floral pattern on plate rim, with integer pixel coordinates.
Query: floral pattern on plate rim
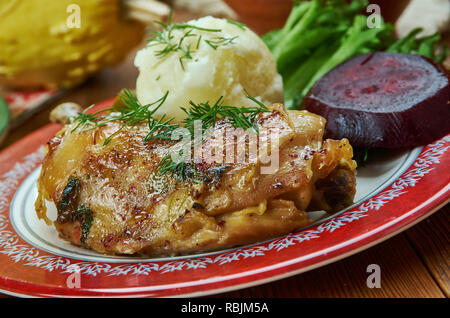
(31, 256)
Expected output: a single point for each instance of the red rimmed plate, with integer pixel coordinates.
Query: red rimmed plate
(393, 193)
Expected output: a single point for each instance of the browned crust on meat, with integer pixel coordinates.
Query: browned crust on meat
(135, 210)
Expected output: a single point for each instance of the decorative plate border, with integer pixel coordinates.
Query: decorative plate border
(27, 255)
(417, 192)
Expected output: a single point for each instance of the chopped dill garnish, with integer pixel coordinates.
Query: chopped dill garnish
(239, 117)
(167, 40)
(131, 112)
(84, 119)
(240, 25)
(220, 41)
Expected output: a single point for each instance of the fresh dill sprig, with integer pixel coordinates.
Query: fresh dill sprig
(85, 119)
(239, 117)
(160, 128)
(217, 41)
(167, 40)
(131, 113)
(134, 113)
(240, 25)
(167, 165)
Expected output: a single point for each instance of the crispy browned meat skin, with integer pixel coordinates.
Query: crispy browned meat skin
(112, 199)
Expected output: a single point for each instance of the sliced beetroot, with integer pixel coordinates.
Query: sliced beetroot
(384, 100)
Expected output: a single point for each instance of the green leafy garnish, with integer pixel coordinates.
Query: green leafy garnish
(426, 46)
(239, 117)
(129, 111)
(215, 42)
(240, 25)
(361, 155)
(319, 35)
(169, 44)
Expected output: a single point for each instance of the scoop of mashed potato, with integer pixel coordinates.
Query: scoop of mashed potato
(225, 62)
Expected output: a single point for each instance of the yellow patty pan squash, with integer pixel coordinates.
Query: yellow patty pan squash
(50, 44)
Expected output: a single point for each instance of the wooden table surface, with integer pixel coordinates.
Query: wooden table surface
(414, 263)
